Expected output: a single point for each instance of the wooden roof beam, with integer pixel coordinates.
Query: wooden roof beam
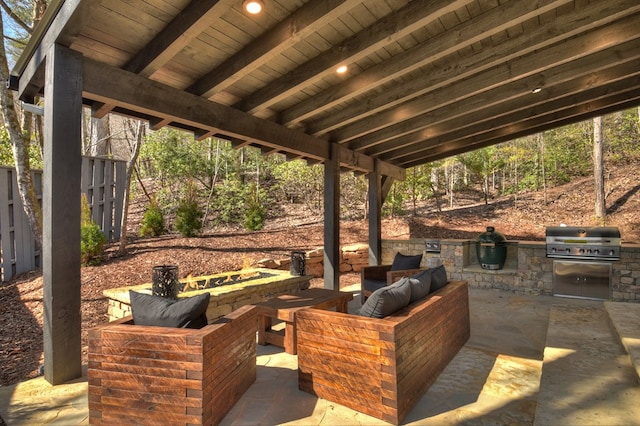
(410, 60)
(106, 84)
(387, 30)
(304, 21)
(393, 103)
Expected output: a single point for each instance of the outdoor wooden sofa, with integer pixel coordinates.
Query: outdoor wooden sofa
(161, 375)
(376, 276)
(382, 366)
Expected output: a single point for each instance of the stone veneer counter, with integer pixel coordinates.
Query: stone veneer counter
(224, 298)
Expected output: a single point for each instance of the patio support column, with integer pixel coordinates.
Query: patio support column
(375, 214)
(332, 221)
(61, 215)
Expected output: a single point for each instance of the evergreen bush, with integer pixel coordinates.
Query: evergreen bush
(92, 239)
(189, 216)
(152, 221)
(254, 214)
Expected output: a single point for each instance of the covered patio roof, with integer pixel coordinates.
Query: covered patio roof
(424, 80)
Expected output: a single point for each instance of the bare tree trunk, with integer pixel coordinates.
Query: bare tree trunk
(100, 137)
(20, 147)
(543, 168)
(598, 168)
(131, 165)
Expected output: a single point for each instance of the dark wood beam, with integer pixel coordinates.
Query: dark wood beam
(412, 59)
(556, 82)
(459, 68)
(332, 221)
(64, 15)
(61, 216)
(306, 20)
(494, 112)
(387, 30)
(106, 84)
(539, 123)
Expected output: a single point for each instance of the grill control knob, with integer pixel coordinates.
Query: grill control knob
(612, 252)
(567, 250)
(596, 251)
(581, 251)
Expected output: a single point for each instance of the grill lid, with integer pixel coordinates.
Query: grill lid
(578, 231)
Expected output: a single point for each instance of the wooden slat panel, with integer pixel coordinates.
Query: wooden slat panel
(382, 378)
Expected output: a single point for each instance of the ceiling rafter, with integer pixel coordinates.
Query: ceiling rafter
(515, 79)
(365, 117)
(383, 32)
(469, 33)
(306, 20)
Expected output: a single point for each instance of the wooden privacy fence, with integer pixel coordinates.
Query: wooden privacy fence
(103, 181)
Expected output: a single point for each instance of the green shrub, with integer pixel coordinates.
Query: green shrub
(152, 221)
(188, 217)
(92, 239)
(254, 214)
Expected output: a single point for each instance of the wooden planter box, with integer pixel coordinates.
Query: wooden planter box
(159, 375)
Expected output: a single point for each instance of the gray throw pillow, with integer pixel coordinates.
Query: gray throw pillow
(402, 262)
(420, 285)
(385, 301)
(438, 278)
(188, 312)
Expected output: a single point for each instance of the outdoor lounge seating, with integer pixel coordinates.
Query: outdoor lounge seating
(163, 375)
(375, 277)
(382, 366)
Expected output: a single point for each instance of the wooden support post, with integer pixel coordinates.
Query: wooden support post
(375, 214)
(332, 220)
(61, 215)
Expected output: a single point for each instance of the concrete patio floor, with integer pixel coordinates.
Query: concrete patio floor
(531, 360)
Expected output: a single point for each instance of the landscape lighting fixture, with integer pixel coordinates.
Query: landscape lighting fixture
(253, 6)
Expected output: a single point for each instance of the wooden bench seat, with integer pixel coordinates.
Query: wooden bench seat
(382, 367)
(160, 375)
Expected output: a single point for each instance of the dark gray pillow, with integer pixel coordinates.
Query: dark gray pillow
(438, 278)
(188, 312)
(401, 262)
(387, 300)
(420, 285)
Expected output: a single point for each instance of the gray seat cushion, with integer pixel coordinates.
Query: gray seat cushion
(438, 278)
(387, 300)
(420, 285)
(188, 312)
(373, 285)
(402, 262)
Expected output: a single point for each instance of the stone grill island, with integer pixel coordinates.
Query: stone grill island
(229, 290)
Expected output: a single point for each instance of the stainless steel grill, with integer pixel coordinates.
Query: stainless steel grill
(588, 243)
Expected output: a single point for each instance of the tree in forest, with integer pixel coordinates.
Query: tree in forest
(20, 133)
(598, 168)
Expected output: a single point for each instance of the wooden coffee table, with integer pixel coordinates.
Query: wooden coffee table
(284, 308)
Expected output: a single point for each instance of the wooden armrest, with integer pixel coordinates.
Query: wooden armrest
(393, 276)
(375, 272)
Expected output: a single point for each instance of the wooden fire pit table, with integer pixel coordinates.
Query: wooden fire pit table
(284, 308)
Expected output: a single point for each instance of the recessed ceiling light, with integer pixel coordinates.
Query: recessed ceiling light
(341, 69)
(253, 6)
(537, 90)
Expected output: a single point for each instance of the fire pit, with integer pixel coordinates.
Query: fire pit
(228, 290)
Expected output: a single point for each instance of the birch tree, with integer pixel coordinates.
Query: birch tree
(20, 133)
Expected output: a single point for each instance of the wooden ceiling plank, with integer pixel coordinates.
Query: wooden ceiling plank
(458, 126)
(467, 34)
(487, 88)
(296, 27)
(521, 121)
(386, 30)
(563, 27)
(106, 84)
(500, 116)
(186, 26)
(586, 112)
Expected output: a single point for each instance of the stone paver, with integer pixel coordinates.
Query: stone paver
(498, 378)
